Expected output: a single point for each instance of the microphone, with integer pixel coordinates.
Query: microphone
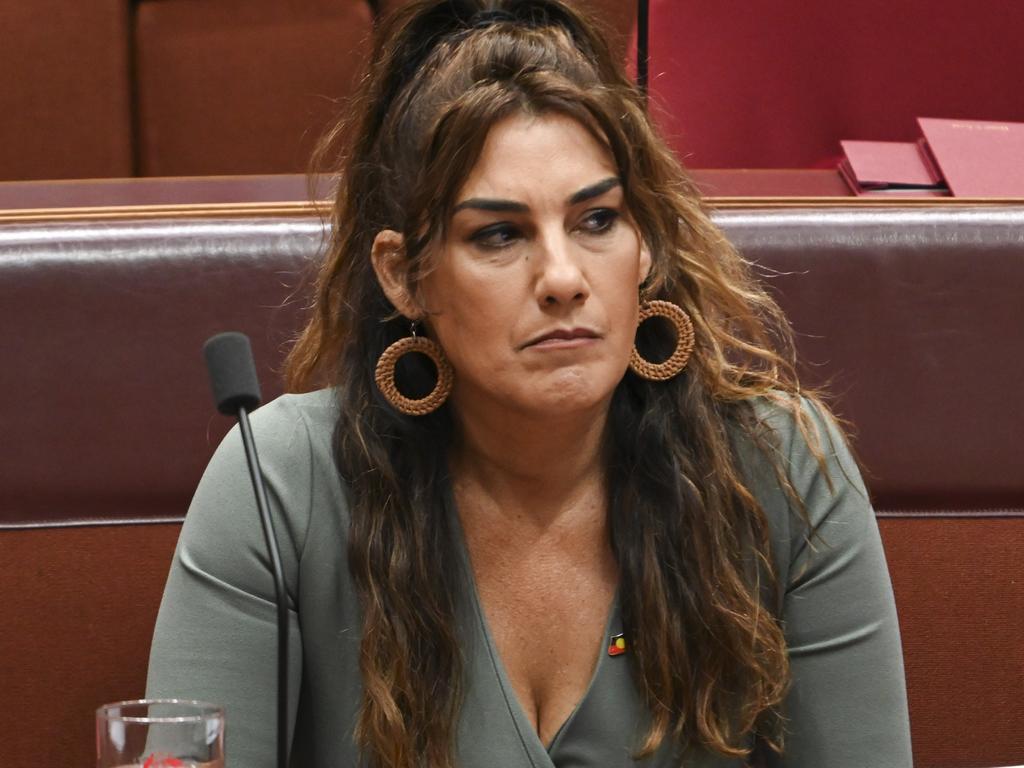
(642, 44)
(236, 391)
(232, 373)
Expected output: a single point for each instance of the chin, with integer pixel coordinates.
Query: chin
(574, 390)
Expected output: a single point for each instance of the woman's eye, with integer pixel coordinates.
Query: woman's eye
(496, 236)
(599, 220)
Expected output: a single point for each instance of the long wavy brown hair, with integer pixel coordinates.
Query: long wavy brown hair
(689, 537)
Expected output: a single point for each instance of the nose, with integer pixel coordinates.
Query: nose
(560, 280)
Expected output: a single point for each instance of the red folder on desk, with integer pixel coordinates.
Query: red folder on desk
(978, 158)
(889, 167)
(890, 163)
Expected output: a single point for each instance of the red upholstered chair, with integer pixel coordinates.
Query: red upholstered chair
(241, 86)
(248, 86)
(185, 87)
(616, 17)
(115, 88)
(777, 85)
(65, 89)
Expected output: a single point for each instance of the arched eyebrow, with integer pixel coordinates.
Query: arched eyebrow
(594, 190)
(511, 206)
(489, 204)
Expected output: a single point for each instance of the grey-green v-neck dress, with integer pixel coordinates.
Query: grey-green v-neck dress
(215, 636)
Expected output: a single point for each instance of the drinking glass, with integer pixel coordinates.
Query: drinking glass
(159, 733)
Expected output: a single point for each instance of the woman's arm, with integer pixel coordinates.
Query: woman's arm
(847, 707)
(216, 633)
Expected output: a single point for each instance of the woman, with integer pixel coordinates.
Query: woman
(550, 538)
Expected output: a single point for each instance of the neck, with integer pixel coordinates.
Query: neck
(535, 470)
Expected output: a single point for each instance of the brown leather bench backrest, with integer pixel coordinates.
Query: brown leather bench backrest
(915, 317)
(914, 314)
(108, 424)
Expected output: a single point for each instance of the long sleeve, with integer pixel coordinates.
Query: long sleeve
(216, 633)
(847, 707)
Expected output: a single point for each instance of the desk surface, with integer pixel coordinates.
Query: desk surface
(290, 195)
(212, 190)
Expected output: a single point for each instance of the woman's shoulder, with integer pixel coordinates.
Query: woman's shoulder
(295, 432)
(797, 435)
(311, 415)
(293, 435)
(797, 441)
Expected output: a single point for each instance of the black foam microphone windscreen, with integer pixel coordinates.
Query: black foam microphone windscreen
(232, 372)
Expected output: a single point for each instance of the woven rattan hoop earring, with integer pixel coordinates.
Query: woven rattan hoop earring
(385, 375)
(684, 342)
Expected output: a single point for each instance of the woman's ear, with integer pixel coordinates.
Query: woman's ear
(391, 268)
(646, 263)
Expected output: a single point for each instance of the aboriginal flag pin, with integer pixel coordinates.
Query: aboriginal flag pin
(617, 647)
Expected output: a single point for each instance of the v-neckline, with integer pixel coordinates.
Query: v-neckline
(528, 734)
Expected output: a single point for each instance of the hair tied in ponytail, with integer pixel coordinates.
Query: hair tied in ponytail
(488, 16)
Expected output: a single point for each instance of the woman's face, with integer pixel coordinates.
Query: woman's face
(534, 297)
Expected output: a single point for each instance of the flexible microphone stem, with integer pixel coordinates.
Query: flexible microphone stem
(236, 391)
(642, 44)
(269, 536)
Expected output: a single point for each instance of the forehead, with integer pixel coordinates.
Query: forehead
(528, 157)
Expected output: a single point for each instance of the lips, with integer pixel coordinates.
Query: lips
(562, 335)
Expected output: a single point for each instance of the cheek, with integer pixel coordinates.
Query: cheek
(626, 314)
(621, 289)
(622, 308)
(472, 317)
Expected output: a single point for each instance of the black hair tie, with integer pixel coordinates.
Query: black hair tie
(485, 18)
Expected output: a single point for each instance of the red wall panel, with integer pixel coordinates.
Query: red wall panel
(762, 85)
